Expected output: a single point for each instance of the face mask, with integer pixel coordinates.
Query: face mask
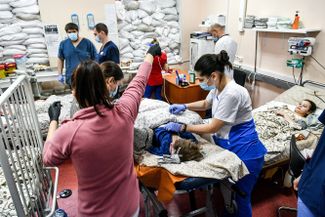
(98, 39)
(206, 87)
(113, 93)
(73, 36)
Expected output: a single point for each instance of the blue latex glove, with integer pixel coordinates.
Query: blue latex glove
(61, 79)
(177, 108)
(173, 127)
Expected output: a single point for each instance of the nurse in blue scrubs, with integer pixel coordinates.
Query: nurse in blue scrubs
(232, 126)
(109, 51)
(72, 51)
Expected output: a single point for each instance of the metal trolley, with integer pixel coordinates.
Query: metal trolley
(32, 189)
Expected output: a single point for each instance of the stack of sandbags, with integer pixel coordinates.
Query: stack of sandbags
(140, 21)
(21, 31)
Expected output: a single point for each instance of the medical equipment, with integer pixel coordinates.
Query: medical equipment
(170, 159)
(200, 44)
(90, 21)
(301, 46)
(75, 19)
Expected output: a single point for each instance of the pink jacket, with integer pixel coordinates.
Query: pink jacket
(101, 149)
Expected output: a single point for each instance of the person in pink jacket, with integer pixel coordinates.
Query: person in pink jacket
(99, 140)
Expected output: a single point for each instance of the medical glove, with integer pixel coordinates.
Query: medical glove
(177, 108)
(154, 50)
(61, 78)
(173, 127)
(54, 111)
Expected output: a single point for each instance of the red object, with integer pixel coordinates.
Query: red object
(156, 78)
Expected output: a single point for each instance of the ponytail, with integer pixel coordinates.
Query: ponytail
(209, 63)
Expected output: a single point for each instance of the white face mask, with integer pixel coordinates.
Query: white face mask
(73, 36)
(112, 94)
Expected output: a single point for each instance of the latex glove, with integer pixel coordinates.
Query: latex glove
(177, 108)
(61, 78)
(54, 111)
(154, 50)
(173, 127)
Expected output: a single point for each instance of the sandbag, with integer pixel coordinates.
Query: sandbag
(171, 17)
(158, 16)
(26, 16)
(36, 51)
(156, 23)
(125, 34)
(34, 41)
(128, 28)
(38, 46)
(6, 15)
(175, 37)
(8, 43)
(145, 28)
(120, 10)
(12, 29)
(138, 53)
(127, 49)
(173, 24)
(149, 35)
(22, 3)
(6, 1)
(137, 34)
(132, 5)
(166, 3)
(35, 30)
(135, 45)
(128, 56)
(11, 52)
(34, 9)
(36, 60)
(174, 30)
(5, 7)
(38, 55)
(166, 32)
(135, 65)
(147, 20)
(142, 14)
(123, 42)
(159, 30)
(169, 11)
(18, 47)
(173, 45)
(136, 22)
(121, 25)
(14, 37)
(148, 6)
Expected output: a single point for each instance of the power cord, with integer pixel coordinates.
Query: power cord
(323, 67)
(315, 93)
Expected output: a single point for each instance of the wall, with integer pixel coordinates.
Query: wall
(59, 12)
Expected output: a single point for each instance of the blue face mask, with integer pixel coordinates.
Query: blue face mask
(205, 86)
(98, 39)
(73, 36)
(113, 93)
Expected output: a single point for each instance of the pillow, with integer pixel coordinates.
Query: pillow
(18, 47)
(5, 7)
(34, 41)
(22, 3)
(26, 16)
(148, 6)
(142, 14)
(12, 29)
(5, 15)
(11, 52)
(34, 9)
(36, 51)
(14, 37)
(39, 46)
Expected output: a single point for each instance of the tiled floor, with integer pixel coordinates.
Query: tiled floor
(266, 198)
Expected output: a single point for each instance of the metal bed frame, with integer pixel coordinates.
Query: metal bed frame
(32, 190)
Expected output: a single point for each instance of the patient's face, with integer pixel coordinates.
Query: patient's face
(303, 108)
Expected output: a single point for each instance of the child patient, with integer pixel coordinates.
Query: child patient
(165, 142)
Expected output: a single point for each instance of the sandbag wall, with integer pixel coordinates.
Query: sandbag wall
(140, 21)
(21, 31)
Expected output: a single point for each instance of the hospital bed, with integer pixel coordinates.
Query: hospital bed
(26, 187)
(278, 149)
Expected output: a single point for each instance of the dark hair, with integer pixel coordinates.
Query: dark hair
(71, 26)
(111, 69)
(312, 105)
(209, 63)
(101, 27)
(189, 150)
(89, 85)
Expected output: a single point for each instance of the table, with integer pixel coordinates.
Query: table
(177, 94)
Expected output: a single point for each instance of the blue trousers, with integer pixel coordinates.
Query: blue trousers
(246, 184)
(303, 210)
(153, 89)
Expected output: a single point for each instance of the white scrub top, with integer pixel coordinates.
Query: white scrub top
(232, 105)
(226, 43)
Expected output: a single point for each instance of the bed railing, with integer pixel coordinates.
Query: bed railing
(315, 83)
(32, 190)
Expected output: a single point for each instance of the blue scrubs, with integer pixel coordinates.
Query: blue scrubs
(109, 52)
(73, 56)
(162, 140)
(311, 189)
